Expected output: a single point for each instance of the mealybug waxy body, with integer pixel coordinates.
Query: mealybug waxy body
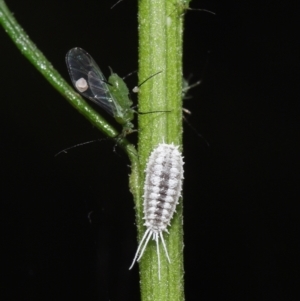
(111, 95)
(162, 189)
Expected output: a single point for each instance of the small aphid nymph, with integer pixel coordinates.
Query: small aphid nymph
(162, 189)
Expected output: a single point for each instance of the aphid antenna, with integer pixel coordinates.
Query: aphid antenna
(129, 74)
(77, 145)
(136, 88)
(116, 4)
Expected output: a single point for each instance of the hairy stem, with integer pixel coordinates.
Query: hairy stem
(160, 49)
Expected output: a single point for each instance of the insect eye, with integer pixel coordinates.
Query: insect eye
(81, 85)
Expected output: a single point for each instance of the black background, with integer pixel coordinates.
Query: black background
(240, 194)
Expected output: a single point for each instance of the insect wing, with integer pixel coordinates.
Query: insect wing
(88, 80)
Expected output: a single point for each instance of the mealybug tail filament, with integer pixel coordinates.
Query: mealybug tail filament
(162, 189)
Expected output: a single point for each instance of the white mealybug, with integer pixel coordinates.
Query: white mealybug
(162, 189)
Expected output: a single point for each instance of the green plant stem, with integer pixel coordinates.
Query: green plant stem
(160, 49)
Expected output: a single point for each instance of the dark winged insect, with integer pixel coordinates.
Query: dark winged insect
(111, 95)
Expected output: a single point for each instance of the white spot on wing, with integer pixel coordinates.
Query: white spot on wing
(81, 85)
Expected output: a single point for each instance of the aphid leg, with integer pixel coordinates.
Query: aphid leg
(129, 74)
(119, 142)
(156, 235)
(186, 111)
(165, 248)
(79, 144)
(136, 89)
(195, 130)
(186, 87)
(146, 235)
(183, 6)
